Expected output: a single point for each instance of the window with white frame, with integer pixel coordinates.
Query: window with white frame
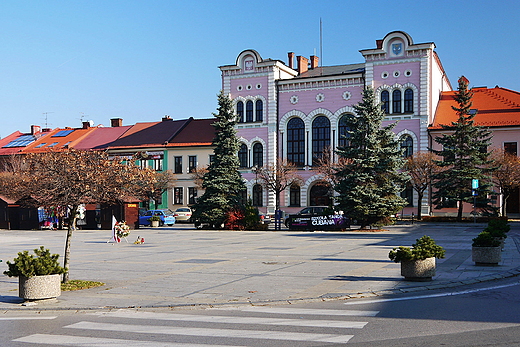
(178, 196)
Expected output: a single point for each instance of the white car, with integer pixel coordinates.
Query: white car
(183, 214)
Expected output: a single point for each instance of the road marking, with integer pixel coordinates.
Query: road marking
(300, 311)
(228, 333)
(85, 341)
(235, 320)
(27, 318)
(430, 295)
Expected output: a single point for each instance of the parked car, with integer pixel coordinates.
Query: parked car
(308, 211)
(166, 216)
(183, 214)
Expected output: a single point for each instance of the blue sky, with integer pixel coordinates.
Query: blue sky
(64, 61)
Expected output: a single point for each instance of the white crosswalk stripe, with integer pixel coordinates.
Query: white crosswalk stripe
(229, 333)
(226, 325)
(237, 320)
(84, 341)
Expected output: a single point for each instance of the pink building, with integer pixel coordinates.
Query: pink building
(295, 110)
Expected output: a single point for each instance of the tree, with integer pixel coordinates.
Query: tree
(277, 177)
(164, 181)
(421, 167)
(370, 181)
(464, 155)
(507, 174)
(222, 183)
(71, 178)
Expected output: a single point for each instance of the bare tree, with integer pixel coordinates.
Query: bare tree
(507, 174)
(276, 177)
(72, 178)
(421, 166)
(164, 180)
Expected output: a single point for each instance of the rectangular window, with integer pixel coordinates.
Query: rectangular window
(143, 163)
(177, 165)
(510, 147)
(192, 195)
(177, 196)
(158, 164)
(192, 163)
(294, 196)
(211, 158)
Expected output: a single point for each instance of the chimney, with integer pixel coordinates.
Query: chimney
(379, 44)
(116, 122)
(166, 118)
(314, 61)
(303, 64)
(291, 59)
(86, 124)
(35, 129)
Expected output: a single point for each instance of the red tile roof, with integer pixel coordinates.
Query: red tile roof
(497, 107)
(58, 140)
(101, 138)
(198, 132)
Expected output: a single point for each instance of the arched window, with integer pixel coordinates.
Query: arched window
(385, 100)
(295, 195)
(259, 110)
(240, 112)
(258, 155)
(396, 101)
(407, 145)
(320, 195)
(320, 137)
(249, 111)
(257, 195)
(296, 141)
(242, 156)
(408, 101)
(343, 129)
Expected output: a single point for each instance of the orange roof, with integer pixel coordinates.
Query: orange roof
(497, 107)
(18, 141)
(58, 140)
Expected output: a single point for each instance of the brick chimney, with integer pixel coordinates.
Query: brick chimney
(291, 59)
(86, 124)
(303, 64)
(314, 61)
(35, 129)
(116, 122)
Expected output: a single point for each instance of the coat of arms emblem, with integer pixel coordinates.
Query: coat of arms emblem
(397, 48)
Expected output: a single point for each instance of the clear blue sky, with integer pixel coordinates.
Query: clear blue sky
(141, 60)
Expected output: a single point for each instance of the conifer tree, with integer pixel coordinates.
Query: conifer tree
(370, 181)
(222, 182)
(464, 155)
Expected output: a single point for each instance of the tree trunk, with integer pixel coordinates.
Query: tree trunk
(419, 204)
(459, 213)
(70, 229)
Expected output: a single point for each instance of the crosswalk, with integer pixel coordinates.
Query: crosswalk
(220, 327)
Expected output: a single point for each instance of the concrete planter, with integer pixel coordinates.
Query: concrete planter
(154, 223)
(39, 287)
(487, 256)
(418, 270)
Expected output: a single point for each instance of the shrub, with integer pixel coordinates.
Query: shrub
(424, 248)
(498, 227)
(485, 239)
(27, 265)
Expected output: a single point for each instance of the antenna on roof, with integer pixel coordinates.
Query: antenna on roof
(321, 44)
(46, 119)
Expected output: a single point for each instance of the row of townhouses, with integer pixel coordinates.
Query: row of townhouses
(295, 110)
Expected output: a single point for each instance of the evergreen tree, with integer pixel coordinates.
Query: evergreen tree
(370, 181)
(222, 182)
(464, 156)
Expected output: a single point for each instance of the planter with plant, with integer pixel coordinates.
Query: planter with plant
(498, 228)
(155, 221)
(418, 262)
(486, 249)
(39, 276)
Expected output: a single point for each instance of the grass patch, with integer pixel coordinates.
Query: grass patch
(79, 284)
